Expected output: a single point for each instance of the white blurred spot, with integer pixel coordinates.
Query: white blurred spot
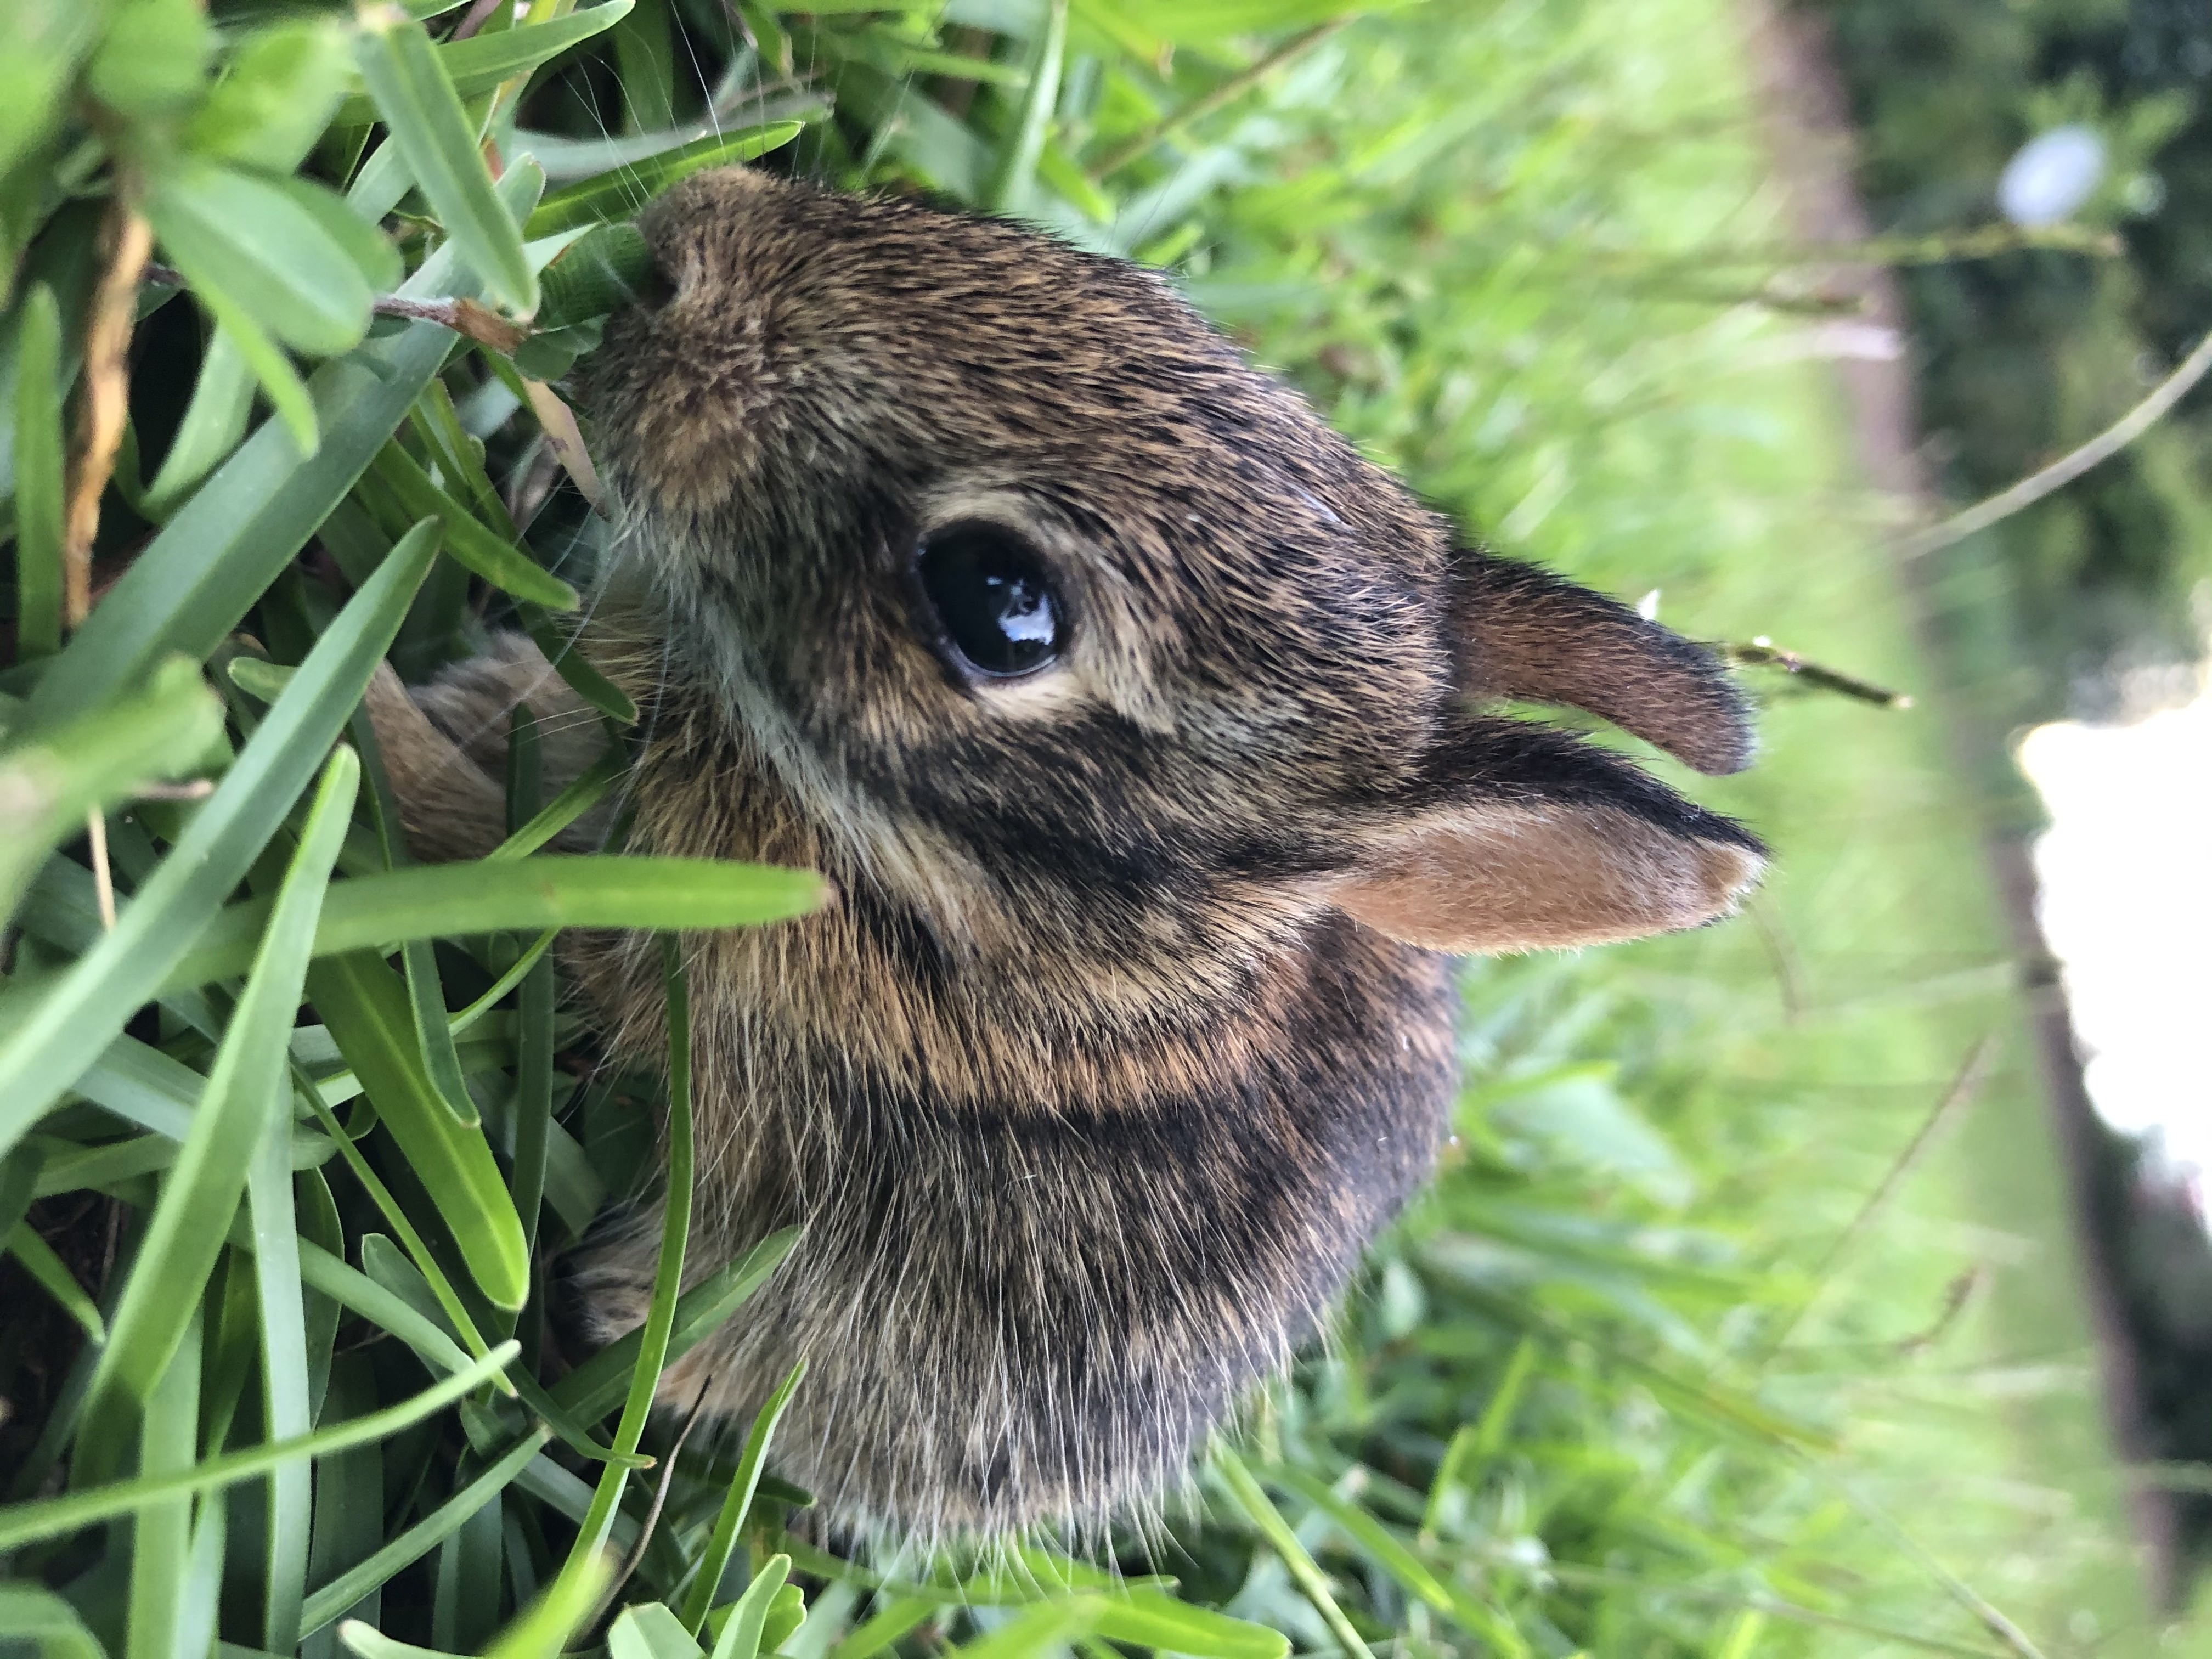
(2125, 872)
(1648, 606)
(2050, 176)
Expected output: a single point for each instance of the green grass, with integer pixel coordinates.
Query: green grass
(1644, 1374)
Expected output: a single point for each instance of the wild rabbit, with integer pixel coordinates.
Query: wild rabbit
(1147, 734)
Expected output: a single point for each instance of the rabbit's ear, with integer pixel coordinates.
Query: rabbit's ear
(1522, 633)
(1522, 838)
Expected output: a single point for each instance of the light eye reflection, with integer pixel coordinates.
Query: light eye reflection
(992, 598)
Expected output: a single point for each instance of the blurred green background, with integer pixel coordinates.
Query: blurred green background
(1745, 1316)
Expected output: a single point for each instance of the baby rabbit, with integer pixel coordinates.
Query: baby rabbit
(1145, 731)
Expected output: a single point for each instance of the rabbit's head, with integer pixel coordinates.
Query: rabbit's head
(1091, 647)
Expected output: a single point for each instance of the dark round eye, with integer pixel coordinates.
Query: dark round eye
(989, 591)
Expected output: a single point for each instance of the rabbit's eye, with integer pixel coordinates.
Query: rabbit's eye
(991, 596)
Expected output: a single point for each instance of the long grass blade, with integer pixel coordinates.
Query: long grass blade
(51, 1274)
(575, 669)
(161, 1533)
(886, 1626)
(40, 507)
(498, 561)
(741, 1634)
(366, 1005)
(533, 1110)
(594, 1388)
(1395, 1557)
(620, 192)
(523, 967)
(426, 990)
(1154, 1618)
(589, 789)
(329, 1274)
(1474, 1445)
(54, 1517)
(423, 1262)
(1044, 1628)
(417, 99)
(483, 61)
(668, 1272)
(1015, 176)
(80, 1015)
(443, 901)
(331, 1601)
(723, 1542)
(1268, 1522)
(287, 1391)
(200, 1608)
(239, 1111)
(647, 1630)
(214, 420)
(543, 1631)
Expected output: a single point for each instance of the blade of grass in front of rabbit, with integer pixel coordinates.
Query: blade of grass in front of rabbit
(668, 1273)
(545, 1629)
(403, 1228)
(57, 1516)
(184, 1236)
(426, 991)
(722, 1544)
(332, 1600)
(533, 1037)
(1267, 1521)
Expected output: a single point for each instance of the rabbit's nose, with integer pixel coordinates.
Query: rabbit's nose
(647, 286)
(653, 288)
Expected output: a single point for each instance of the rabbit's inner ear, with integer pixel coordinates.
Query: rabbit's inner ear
(1499, 876)
(1523, 634)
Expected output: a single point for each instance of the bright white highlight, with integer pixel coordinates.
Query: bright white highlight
(2126, 877)
(2050, 176)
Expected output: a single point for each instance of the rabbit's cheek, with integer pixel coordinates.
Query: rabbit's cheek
(1056, 694)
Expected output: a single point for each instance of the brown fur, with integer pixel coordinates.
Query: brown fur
(1124, 1037)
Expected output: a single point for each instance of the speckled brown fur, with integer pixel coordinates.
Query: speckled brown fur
(1113, 1052)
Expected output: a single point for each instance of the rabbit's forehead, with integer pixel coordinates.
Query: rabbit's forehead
(838, 377)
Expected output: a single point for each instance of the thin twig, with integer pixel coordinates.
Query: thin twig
(107, 395)
(103, 878)
(1763, 653)
(478, 16)
(1944, 247)
(2069, 466)
(1964, 1085)
(1787, 978)
(106, 408)
(191, 789)
(653, 1513)
(1993, 1619)
(1227, 93)
(1956, 1295)
(464, 317)
(1570, 1573)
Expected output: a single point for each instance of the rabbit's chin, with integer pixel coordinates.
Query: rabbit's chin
(1030, 1324)
(869, 1453)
